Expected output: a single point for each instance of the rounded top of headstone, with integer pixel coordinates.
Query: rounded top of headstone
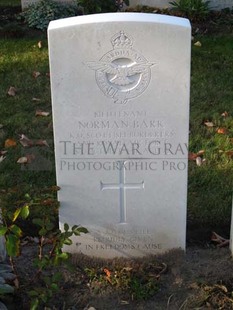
(119, 17)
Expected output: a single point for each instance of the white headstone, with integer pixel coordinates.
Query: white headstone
(120, 95)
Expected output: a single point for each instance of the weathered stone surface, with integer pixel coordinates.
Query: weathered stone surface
(120, 93)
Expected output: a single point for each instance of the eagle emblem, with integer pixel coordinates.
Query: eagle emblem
(122, 73)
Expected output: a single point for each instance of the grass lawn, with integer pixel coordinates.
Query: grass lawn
(210, 185)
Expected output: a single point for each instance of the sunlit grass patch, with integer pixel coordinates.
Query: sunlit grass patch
(211, 120)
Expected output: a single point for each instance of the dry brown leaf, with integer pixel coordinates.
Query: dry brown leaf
(198, 44)
(41, 143)
(36, 99)
(25, 141)
(107, 272)
(192, 156)
(36, 74)
(222, 131)
(39, 44)
(209, 124)
(10, 143)
(219, 239)
(12, 91)
(54, 188)
(229, 153)
(224, 114)
(42, 113)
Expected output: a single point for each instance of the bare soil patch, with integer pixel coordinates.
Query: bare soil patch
(200, 278)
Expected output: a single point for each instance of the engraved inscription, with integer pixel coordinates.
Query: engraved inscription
(122, 186)
(122, 73)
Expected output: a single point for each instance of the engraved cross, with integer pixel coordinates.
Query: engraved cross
(122, 186)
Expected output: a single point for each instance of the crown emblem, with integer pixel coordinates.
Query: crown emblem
(121, 40)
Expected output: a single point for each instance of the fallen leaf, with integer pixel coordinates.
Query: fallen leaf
(39, 44)
(229, 153)
(35, 99)
(124, 302)
(224, 114)
(209, 124)
(41, 143)
(231, 140)
(48, 202)
(2, 158)
(127, 269)
(25, 141)
(3, 153)
(42, 113)
(219, 239)
(199, 161)
(22, 160)
(221, 287)
(12, 91)
(201, 152)
(10, 143)
(107, 272)
(198, 44)
(1, 126)
(192, 156)
(108, 275)
(222, 130)
(26, 159)
(48, 74)
(36, 74)
(55, 188)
